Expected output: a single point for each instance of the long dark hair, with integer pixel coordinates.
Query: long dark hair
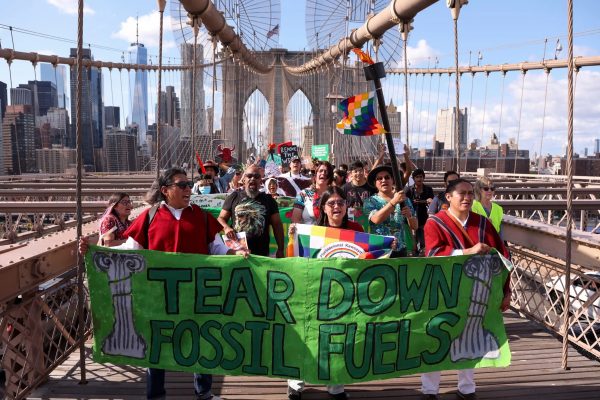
(154, 195)
(323, 220)
(115, 198)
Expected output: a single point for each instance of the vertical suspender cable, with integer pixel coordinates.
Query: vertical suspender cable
(405, 27)
(500, 117)
(567, 296)
(193, 105)
(214, 89)
(487, 78)
(523, 72)
(161, 10)
(547, 71)
(80, 266)
(457, 119)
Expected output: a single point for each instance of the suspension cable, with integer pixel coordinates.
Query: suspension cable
(500, 119)
(487, 78)
(161, 10)
(539, 163)
(567, 291)
(193, 113)
(78, 191)
(457, 77)
(519, 124)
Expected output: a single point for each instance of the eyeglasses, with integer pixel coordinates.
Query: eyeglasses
(333, 203)
(488, 188)
(255, 176)
(183, 184)
(126, 202)
(383, 178)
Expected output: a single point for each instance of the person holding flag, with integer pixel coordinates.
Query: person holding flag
(390, 212)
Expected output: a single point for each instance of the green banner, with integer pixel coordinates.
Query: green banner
(321, 320)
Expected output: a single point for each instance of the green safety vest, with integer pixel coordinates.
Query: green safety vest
(495, 215)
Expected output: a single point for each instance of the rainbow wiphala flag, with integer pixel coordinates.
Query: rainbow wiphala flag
(321, 242)
(359, 116)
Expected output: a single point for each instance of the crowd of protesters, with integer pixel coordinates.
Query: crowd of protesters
(460, 219)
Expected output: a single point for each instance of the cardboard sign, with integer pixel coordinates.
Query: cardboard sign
(288, 153)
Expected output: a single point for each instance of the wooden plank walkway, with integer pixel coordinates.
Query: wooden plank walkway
(535, 373)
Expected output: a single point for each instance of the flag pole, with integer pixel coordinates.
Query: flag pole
(374, 72)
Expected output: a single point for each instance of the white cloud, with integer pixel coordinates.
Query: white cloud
(422, 54)
(148, 28)
(505, 118)
(529, 124)
(70, 7)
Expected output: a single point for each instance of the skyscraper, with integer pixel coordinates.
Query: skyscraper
(58, 76)
(394, 118)
(112, 117)
(444, 129)
(3, 99)
(21, 96)
(202, 139)
(120, 147)
(18, 140)
(169, 107)
(596, 146)
(43, 96)
(138, 54)
(92, 109)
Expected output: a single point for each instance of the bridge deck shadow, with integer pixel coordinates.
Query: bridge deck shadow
(535, 373)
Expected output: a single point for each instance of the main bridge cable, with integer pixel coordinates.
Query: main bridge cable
(216, 25)
(377, 25)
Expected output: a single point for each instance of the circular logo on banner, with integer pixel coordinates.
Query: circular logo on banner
(340, 250)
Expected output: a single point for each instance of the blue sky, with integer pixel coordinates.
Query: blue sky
(504, 32)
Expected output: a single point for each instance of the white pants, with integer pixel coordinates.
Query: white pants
(430, 381)
(298, 386)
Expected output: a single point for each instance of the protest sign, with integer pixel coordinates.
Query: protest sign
(320, 320)
(288, 153)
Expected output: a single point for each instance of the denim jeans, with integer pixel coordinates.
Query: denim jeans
(155, 384)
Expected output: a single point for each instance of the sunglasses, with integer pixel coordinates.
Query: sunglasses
(126, 202)
(488, 188)
(183, 184)
(255, 176)
(383, 178)
(333, 203)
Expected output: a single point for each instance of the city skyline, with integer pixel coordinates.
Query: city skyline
(487, 113)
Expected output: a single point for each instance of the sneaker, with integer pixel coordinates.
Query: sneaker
(466, 396)
(339, 396)
(430, 397)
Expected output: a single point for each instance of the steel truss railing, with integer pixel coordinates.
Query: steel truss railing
(38, 332)
(538, 294)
